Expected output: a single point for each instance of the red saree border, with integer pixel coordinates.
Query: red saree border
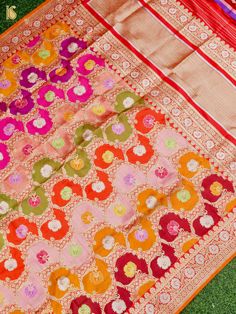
(188, 42)
(222, 24)
(165, 78)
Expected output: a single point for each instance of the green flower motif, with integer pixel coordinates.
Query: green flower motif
(6, 205)
(79, 165)
(183, 196)
(85, 134)
(120, 130)
(170, 143)
(75, 250)
(36, 203)
(66, 193)
(126, 100)
(43, 169)
(2, 242)
(50, 96)
(44, 54)
(58, 143)
(84, 309)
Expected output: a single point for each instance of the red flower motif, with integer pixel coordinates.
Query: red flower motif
(213, 186)
(105, 155)
(13, 266)
(146, 120)
(63, 191)
(127, 266)
(81, 302)
(171, 225)
(161, 264)
(121, 304)
(141, 152)
(19, 229)
(55, 228)
(207, 221)
(99, 189)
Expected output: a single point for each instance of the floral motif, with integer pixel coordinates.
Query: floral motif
(121, 212)
(56, 30)
(13, 266)
(128, 266)
(48, 94)
(41, 124)
(147, 118)
(99, 189)
(120, 130)
(126, 100)
(80, 92)
(191, 163)
(6, 205)
(149, 200)
(106, 239)
(79, 165)
(8, 126)
(88, 62)
(4, 156)
(8, 83)
(23, 104)
(55, 228)
(184, 197)
(169, 142)
(214, 186)
(60, 281)
(142, 237)
(45, 54)
(106, 154)
(63, 73)
(63, 192)
(44, 169)
(70, 46)
(121, 304)
(31, 76)
(35, 203)
(85, 133)
(84, 305)
(19, 229)
(171, 225)
(142, 152)
(98, 280)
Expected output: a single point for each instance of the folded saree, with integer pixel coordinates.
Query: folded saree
(117, 155)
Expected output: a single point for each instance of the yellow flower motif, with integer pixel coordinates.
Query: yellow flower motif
(45, 55)
(77, 163)
(87, 217)
(108, 156)
(120, 210)
(216, 188)
(130, 269)
(89, 65)
(98, 110)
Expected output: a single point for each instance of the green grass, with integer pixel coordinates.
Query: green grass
(219, 296)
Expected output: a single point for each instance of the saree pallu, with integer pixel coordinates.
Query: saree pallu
(117, 155)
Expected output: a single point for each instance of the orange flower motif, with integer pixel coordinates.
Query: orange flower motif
(145, 287)
(191, 163)
(99, 189)
(21, 57)
(97, 280)
(185, 197)
(13, 266)
(8, 83)
(55, 228)
(64, 190)
(141, 152)
(106, 154)
(56, 30)
(61, 280)
(19, 229)
(106, 239)
(149, 200)
(147, 118)
(142, 237)
(45, 55)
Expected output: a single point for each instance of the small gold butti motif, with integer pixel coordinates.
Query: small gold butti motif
(10, 12)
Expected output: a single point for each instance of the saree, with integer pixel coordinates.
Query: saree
(117, 155)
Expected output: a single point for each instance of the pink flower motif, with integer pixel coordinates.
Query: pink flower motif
(4, 156)
(173, 227)
(41, 255)
(48, 94)
(169, 142)
(127, 178)
(31, 295)
(8, 126)
(41, 124)
(162, 173)
(141, 235)
(120, 212)
(105, 81)
(87, 63)
(81, 92)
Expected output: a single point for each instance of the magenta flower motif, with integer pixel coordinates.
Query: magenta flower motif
(8, 126)
(81, 92)
(4, 156)
(30, 76)
(87, 63)
(3, 106)
(63, 73)
(47, 95)
(70, 46)
(23, 104)
(42, 257)
(40, 124)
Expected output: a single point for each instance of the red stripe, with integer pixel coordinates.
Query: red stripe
(214, 17)
(182, 37)
(162, 75)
